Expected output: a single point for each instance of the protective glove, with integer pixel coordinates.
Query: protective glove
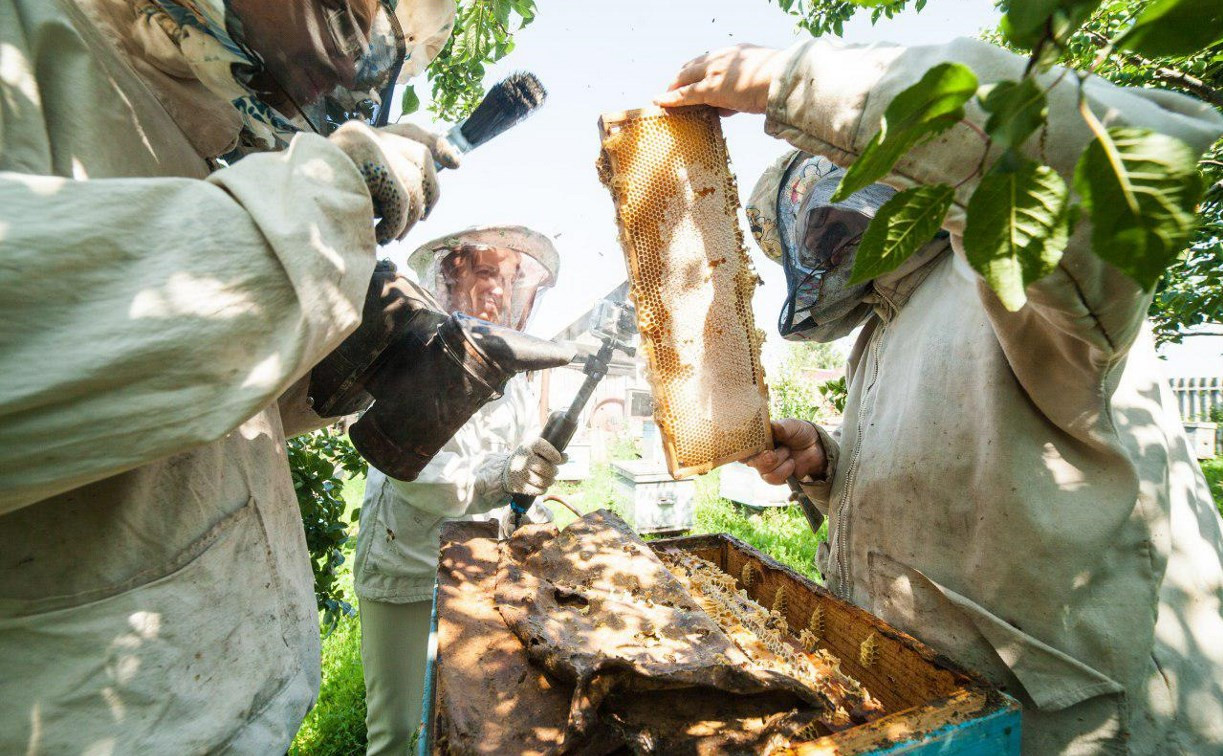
(396, 162)
(538, 514)
(531, 468)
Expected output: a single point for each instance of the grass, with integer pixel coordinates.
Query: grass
(336, 724)
(782, 533)
(1213, 470)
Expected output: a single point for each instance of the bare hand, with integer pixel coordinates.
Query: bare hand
(798, 452)
(733, 80)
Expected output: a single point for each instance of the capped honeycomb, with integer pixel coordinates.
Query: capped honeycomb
(691, 281)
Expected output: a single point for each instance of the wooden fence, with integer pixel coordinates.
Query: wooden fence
(1195, 397)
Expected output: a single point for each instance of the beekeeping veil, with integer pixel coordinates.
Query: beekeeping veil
(497, 273)
(796, 223)
(302, 65)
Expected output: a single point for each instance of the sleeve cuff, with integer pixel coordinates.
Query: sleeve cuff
(820, 491)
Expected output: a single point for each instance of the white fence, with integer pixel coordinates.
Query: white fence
(1195, 397)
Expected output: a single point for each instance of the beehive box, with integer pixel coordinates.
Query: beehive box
(931, 706)
(691, 281)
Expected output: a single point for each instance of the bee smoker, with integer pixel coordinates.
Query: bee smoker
(424, 371)
(614, 325)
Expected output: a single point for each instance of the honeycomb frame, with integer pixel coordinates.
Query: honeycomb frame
(677, 210)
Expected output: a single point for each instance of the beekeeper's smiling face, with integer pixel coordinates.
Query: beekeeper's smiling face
(484, 282)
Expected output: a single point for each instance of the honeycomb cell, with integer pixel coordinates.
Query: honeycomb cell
(692, 282)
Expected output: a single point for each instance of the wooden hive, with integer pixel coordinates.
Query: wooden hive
(478, 672)
(691, 281)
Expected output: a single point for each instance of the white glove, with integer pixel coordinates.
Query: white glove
(531, 468)
(397, 164)
(538, 514)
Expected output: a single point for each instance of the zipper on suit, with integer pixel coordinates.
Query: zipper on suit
(867, 407)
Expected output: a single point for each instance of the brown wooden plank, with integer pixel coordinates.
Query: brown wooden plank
(961, 706)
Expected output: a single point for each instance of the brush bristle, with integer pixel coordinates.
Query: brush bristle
(507, 102)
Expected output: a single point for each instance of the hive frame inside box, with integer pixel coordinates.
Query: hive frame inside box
(608, 124)
(933, 706)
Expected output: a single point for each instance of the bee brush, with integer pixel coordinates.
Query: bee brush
(507, 104)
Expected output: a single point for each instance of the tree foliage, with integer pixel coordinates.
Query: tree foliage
(1154, 216)
(320, 462)
(483, 34)
(794, 392)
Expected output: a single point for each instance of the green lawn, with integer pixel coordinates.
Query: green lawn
(336, 725)
(1214, 477)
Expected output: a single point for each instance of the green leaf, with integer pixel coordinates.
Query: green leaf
(501, 11)
(1017, 110)
(410, 101)
(1017, 227)
(905, 222)
(1141, 189)
(1175, 27)
(526, 9)
(471, 44)
(1027, 22)
(929, 107)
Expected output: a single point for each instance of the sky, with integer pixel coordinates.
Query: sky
(604, 57)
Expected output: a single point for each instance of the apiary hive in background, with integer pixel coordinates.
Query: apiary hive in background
(691, 281)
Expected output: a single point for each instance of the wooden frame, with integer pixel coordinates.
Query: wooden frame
(609, 123)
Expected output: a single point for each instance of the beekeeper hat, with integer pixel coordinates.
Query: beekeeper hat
(534, 277)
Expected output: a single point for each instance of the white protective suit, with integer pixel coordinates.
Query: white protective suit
(155, 592)
(397, 552)
(1015, 489)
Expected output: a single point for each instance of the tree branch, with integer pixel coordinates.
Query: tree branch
(1179, 79)
(1187, 335)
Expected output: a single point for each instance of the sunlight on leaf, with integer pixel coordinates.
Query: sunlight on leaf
(1141, 189)
(929, 107)
(901, 227)
(1017, 227)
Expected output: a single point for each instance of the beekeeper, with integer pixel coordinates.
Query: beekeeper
(1012, 488)
(498, 274)
(155, 589)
